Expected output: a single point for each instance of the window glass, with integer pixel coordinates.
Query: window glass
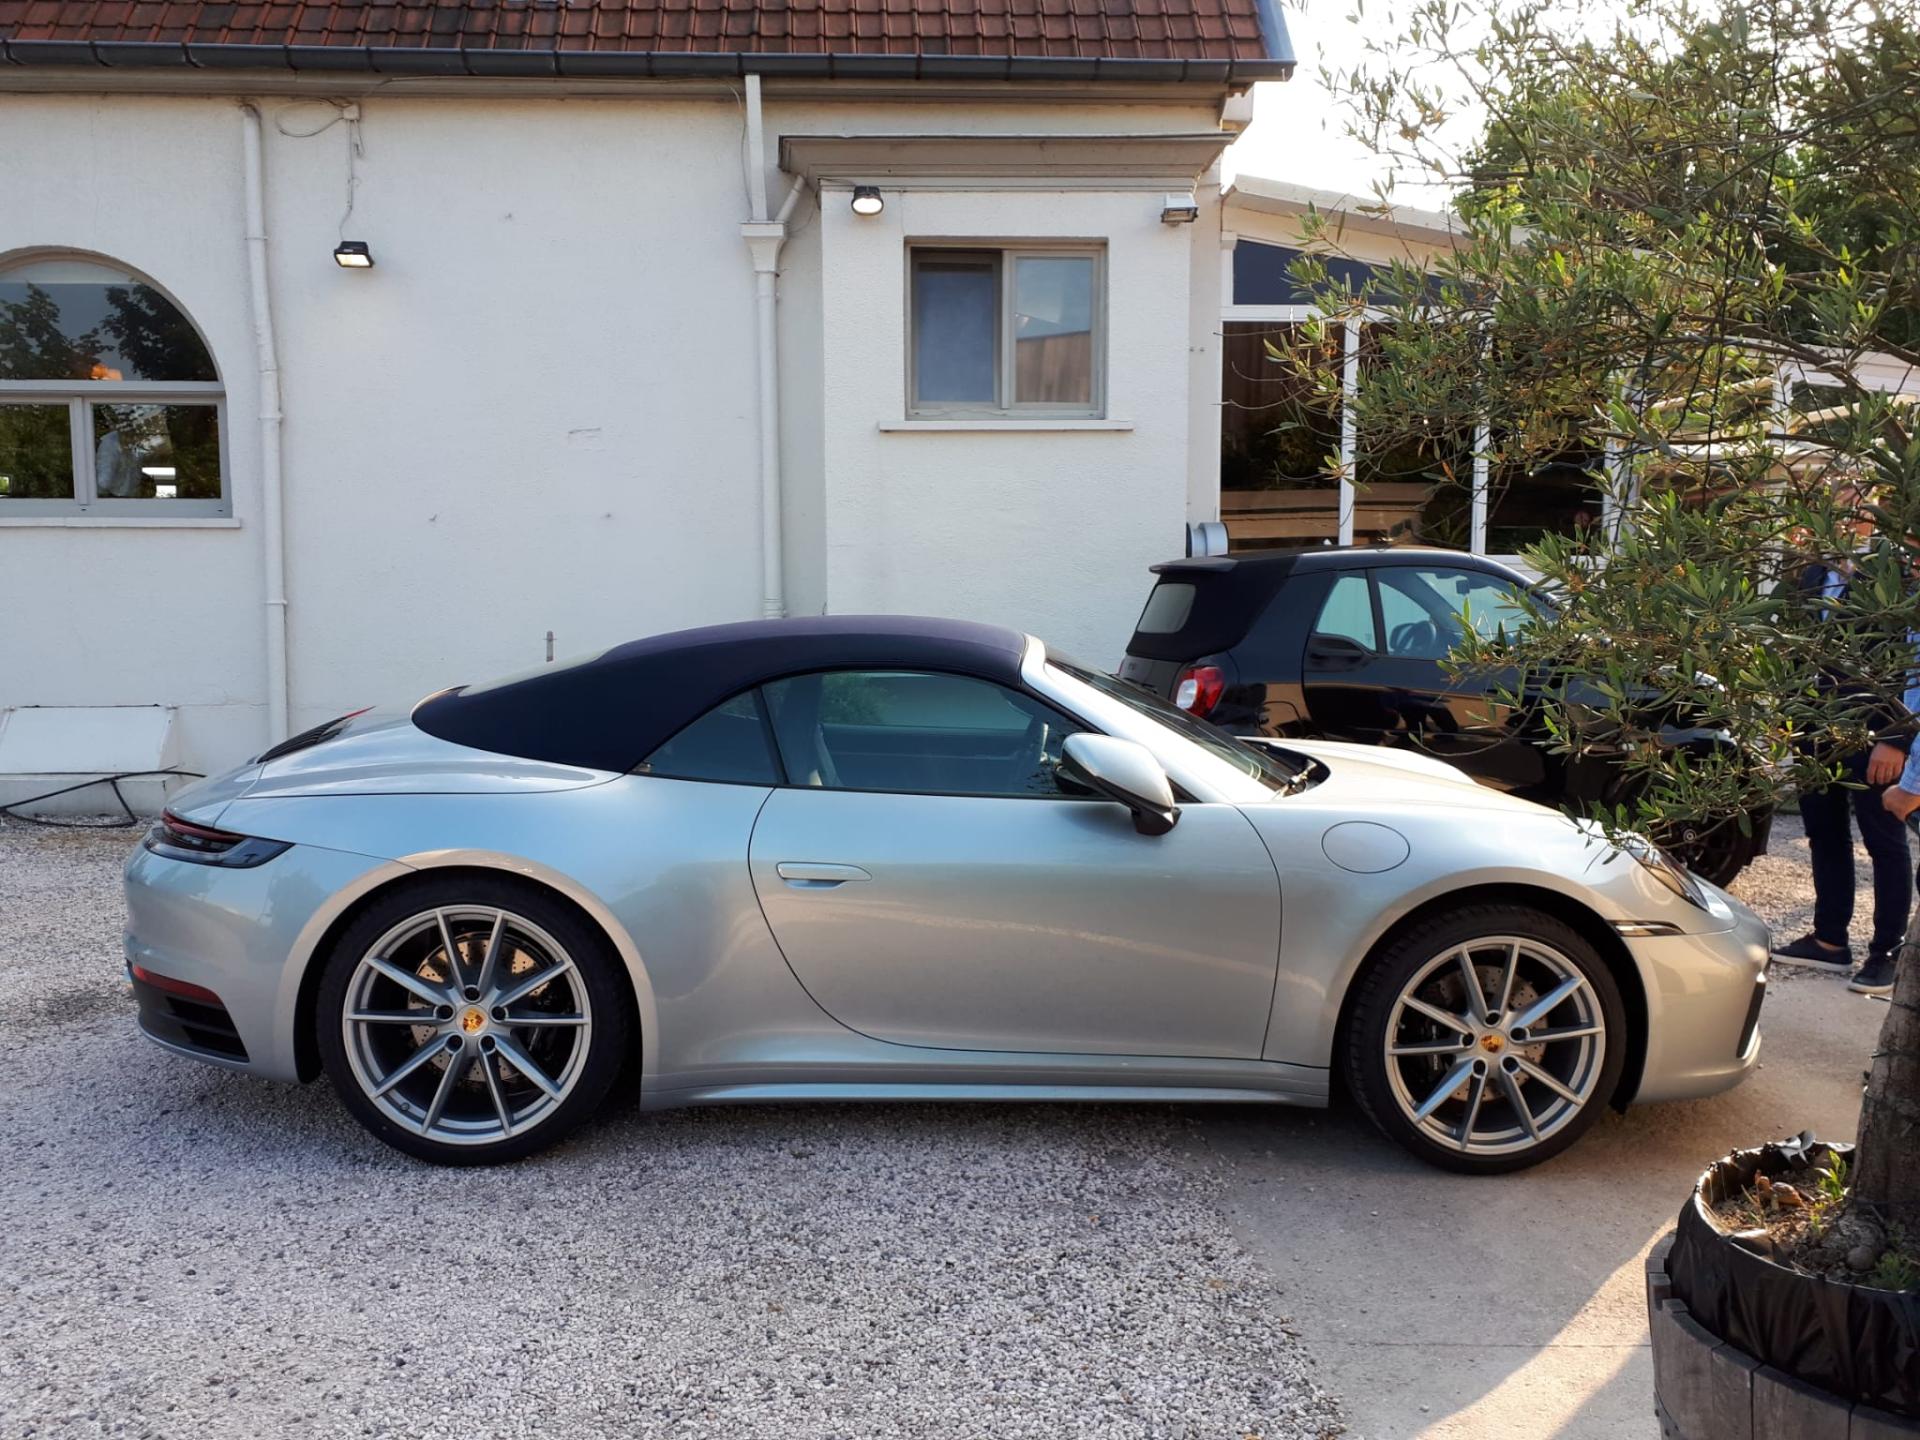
(1427, 612)
(1167, 609)
(1256, 762)
(917, 732)
(1419, 625)
(73, 320)
(1280, 449)
(1053, 330)
(108, 397)
(36, 453)
(956, 304)
(156, 452)
(727, 744)
(1348, 611)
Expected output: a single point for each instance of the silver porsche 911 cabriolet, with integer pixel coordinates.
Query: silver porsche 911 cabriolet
(887, 859)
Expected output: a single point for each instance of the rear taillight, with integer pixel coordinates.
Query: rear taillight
(185, 989)
(1199, 689)
(179, 839)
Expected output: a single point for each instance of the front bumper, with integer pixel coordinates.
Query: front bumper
(1704, 995)
(244, 935)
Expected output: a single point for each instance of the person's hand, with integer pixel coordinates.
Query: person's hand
(1900, 803)
(1884, 764)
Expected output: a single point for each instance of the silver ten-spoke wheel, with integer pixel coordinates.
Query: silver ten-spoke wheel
(1495, 1045)
(467, 1025)
(1487, 1038)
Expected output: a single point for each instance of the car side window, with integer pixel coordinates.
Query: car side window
(1427, 612)
(1348, 611)
(915, 732)
(728, 744)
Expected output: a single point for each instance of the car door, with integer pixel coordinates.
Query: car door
(1340, 671)
(930, 883)
(1459, 717)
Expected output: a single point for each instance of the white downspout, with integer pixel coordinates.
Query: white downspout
(1349, 434)
(764, 238)
(1477, 510)
(272, 526)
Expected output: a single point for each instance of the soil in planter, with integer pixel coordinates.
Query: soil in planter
(1810, 1224)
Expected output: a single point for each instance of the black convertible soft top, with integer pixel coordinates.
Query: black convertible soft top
(612, 710)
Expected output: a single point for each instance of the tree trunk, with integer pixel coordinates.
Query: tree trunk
(1886, 1170)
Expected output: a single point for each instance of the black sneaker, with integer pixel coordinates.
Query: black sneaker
(1876, 976)
(1810, 953)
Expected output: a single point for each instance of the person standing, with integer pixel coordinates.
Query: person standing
(1857, 798)
(1902, 801)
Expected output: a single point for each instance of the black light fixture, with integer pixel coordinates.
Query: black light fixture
(867, 200)
(353, 255)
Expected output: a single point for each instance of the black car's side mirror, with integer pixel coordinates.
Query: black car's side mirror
(1335, 652)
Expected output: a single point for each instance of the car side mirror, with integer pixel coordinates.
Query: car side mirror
(1122, 770)
(1335, 652)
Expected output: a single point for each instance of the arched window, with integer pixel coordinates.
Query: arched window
(109, 401)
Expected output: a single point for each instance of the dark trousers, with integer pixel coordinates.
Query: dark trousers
(1830, 838)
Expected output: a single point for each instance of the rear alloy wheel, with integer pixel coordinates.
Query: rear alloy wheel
(1487, 1040)
(466, 1026)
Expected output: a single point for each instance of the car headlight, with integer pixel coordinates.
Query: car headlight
(1672, 874)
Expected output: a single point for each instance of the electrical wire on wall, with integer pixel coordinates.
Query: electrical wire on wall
(347, 113)
(746, 167)
(127, 819)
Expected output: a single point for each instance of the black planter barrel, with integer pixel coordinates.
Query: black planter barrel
(1746, 1349)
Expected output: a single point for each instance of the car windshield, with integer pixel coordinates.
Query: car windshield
(1256, 762)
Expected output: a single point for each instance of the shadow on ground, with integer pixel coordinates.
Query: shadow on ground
(1448, 1306)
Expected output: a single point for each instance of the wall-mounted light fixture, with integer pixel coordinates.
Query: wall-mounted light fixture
(353, 255)
(1179, 210)
(867, 200)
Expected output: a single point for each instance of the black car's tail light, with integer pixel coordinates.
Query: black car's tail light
(1199, 688)
(178, 839)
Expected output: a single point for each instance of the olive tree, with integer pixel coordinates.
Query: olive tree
(1688, 246)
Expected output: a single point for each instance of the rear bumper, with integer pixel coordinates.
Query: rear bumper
(245, 936)
(1704, 998)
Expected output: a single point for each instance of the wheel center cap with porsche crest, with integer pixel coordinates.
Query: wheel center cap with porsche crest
(473, 1021)
(1492, 1044)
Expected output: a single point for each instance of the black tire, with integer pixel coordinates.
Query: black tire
(607, 1040)
(1389, 971)
(1716, 854)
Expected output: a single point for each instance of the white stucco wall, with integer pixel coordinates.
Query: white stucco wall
(537, 412)
(121, 616)
(1048, 531)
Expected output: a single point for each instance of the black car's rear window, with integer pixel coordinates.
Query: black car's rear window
(1167, 609)
(1196, 612)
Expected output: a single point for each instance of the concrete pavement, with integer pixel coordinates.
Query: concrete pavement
(1442, 1306)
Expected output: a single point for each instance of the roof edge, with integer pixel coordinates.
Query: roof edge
(642, 64)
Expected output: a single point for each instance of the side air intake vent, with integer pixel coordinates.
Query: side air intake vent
(307, 739)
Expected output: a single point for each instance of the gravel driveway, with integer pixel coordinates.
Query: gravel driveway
(189, 1253)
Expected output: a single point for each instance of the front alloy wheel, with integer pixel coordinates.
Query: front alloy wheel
(1488, 1040)
(467, 1028)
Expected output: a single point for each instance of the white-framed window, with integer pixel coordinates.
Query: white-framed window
(1010, 330)
(110, 404)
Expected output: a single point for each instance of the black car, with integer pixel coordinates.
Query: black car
(1348, 644)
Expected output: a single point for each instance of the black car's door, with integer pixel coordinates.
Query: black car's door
(1341, 673)
(1462, 718)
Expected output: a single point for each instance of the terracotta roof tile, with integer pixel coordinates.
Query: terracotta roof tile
(1126, 29)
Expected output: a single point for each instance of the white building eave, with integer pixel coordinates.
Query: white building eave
(1261, 196)
(1090, 162)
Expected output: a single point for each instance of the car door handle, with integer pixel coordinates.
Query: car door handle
(810, 875)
